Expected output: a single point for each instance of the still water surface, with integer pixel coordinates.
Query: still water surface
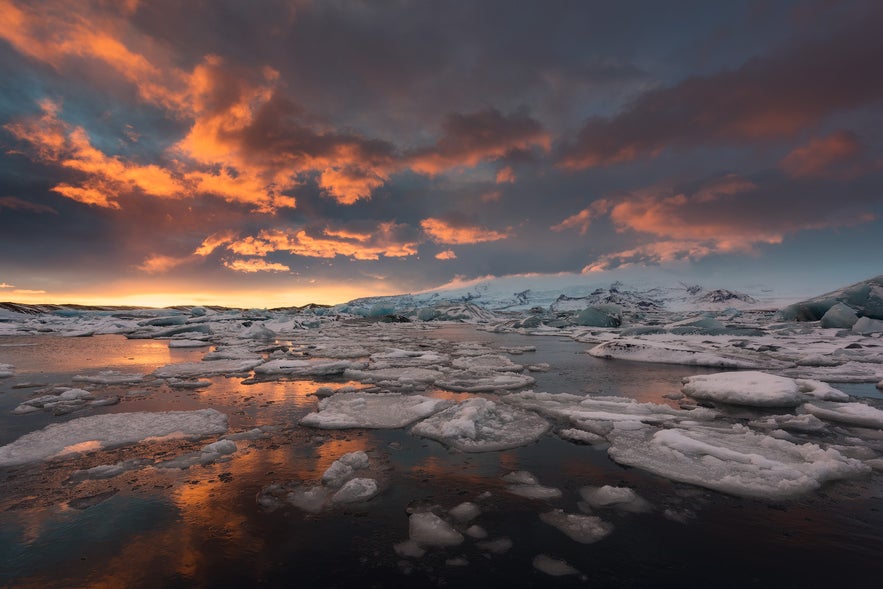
(203, 527)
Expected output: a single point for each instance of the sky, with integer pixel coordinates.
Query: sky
(281, 152)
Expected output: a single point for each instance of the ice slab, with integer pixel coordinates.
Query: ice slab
(111, 377)
(372, 410)
(115, 429)
(493, 362)
(210, 368)
(481, 425)
(428, 529)
(621, 498)
(585, 529)
(848, 413)
(553, 566)
(306, 367)
(395, 377)
(733, 460)
(756, 389)
(6, 370)
(639, 350)
(475, 381)
(188, 343)
(356, 490)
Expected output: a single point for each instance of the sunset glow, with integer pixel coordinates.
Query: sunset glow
(160, 153)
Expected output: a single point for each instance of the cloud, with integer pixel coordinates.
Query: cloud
(825, 157)
(769, 97)
(385, 241)
(6, 285)
(216, 240)
(505, 175)
(157, 263)
(468, 139)
(651, 254)
(583, 218)
(458, 233)
(17, 204)
(446, 255)
(255, 265)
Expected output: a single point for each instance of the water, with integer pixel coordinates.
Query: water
(203, 527)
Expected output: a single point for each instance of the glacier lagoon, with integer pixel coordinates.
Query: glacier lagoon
(493, 454)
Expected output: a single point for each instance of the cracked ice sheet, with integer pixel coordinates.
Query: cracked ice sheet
(732, 460)
(480, 425)
(114, 429)
(372, 410)
(757, 389)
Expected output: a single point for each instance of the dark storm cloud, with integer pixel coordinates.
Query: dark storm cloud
(769, 97)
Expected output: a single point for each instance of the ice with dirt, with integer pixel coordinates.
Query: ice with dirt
(102, 431)
(481, 425)
(732, 459)
(372, 410)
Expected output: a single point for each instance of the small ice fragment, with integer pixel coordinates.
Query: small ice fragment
(585, 529)
(309, 499)
(343, 468)
(534, 491)
(553, 566)
(6, 370)
(520, 477)
(476, 531)
(428, 529)
(465, 512)
(356, 490)
(497, 546)
(622, 498)
(409, 549)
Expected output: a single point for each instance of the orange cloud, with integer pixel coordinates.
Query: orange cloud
(505, 175)
(821, 155)
(255, 265)
(446, 255)
(157, 264)
(468, 139)
(442, 231)
(348, 185)
(214, 241)
(583, 218)
(358, 246)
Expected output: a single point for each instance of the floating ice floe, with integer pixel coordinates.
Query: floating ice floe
(188, 343)
(395, 377)
(757, 389)
(356, 490)
(291, 367)
(493, 362)
(473, 381)
(621, 498)
(733, 460)
(465, 512)
(210, 368)
(428, 529)
(850, 371)
(6, 370)
(857, 414)
(63, 402)
(102, 431)
(110, 377)
(209, 454)
(585, 529)
(395, 357)
(342, 469)
(372, 410)
(481, 425)
(553, 566)
(524, 484)
(643, 350)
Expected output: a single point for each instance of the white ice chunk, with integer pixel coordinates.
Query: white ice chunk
(756, 389)
(188, 343)
(480, 425)
(668, 353)
(622, 498)
(524, 484)
(553, 566)
(465, 512)
(372, 410)
(520, 477)
(292, 367)
(733, 460)
(209, 454)
(343, 468)
(109, 377)
(850, 413)
(114, 429)
(6, 370)
(356, 490)
(395, 376)
(212, 368)
(585, 529)
(820, 390)
(311, 499)
(493, 362)
(476, 531)
(428, 529)
(475, 381)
